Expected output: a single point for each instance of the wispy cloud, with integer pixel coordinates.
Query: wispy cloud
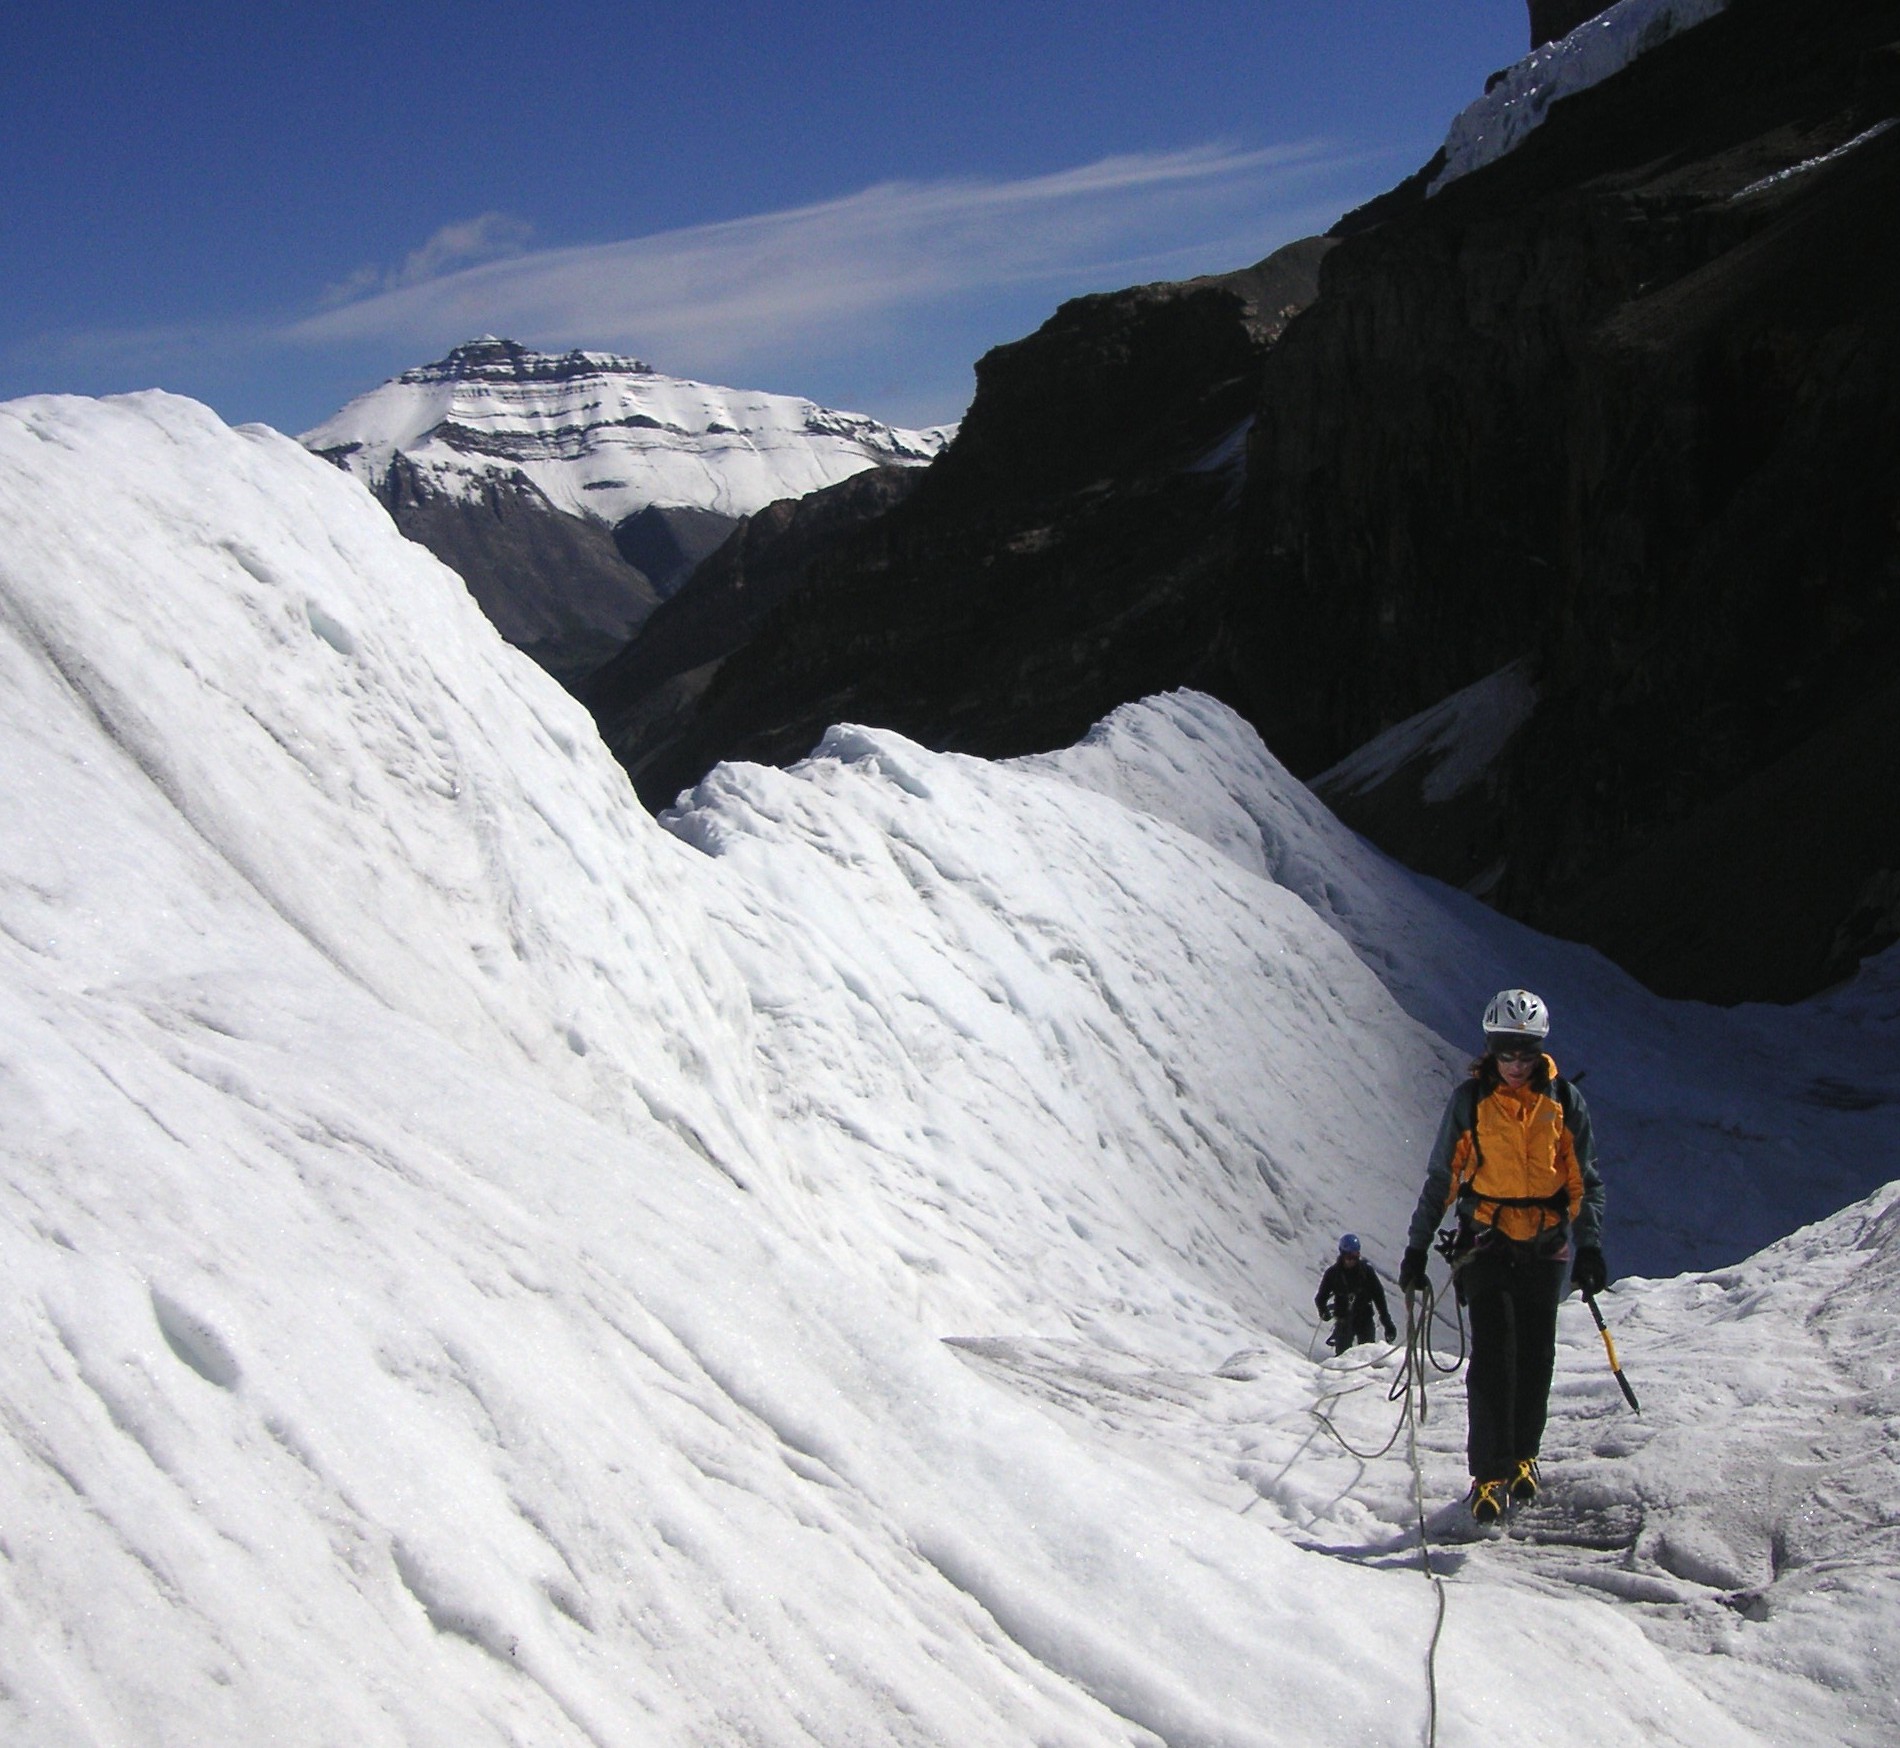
(453, 247)
(720, 293)
(880, 299)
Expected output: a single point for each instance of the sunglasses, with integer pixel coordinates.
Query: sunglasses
(1517, 1049)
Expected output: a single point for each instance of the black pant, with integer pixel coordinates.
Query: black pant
(1511, 1296)
(1352, 1322)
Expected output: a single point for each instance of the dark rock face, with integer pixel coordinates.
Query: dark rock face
(644, 698)
(1779, 886)
(665, 542)
(555, 586)
(493, 360)
(1627, 404)
(1622, 407)
(1054, 562)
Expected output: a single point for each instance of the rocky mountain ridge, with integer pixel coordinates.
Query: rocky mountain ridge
(604, 436)
(1624, 405)
(1057, 555)
(1621, 406)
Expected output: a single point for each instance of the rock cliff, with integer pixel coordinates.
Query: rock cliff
(1618, 413)
(1061, 557)
(555, 585)
(1624, 405)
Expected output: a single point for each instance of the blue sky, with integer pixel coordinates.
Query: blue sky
(272, 206)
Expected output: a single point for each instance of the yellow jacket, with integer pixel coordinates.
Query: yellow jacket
(1518, 1159)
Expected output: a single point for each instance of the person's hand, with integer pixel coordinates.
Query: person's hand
(1412, 1270)
(1587, 1273)
(1391, 1331)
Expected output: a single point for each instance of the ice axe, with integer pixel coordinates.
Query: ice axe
(1609, 1347)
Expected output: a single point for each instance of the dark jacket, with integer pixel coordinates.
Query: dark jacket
(1340, 1288)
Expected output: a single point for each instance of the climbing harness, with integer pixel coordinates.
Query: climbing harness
(1609, 1347)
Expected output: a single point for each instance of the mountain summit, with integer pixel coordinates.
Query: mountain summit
(575, 491)
(604, 436)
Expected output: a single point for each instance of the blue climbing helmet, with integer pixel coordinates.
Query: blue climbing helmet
(1349, 1244)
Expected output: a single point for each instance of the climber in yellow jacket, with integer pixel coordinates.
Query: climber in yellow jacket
(1516, 1160)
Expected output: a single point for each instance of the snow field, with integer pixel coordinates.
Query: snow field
(1719, 1129)
(487, 1268)
(1065, 1072)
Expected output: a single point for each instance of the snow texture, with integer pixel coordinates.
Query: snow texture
(1720, 1128)
(487, 1267)
(1499, 121)
(602, 436)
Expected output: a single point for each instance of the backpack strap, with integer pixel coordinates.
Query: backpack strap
(1465, 1111)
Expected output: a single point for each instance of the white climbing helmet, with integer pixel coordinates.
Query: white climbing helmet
(1517, 1010)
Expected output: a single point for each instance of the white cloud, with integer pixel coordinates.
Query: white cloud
(454, 247)
(722, 293)
(878, 300)
(476, 239)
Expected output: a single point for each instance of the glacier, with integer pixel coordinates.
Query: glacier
(834, 1264)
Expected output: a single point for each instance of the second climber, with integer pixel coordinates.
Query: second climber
(1350, 1292)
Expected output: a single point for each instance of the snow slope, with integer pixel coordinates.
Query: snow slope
(1459, 739)
(1497, 122)
(1720, 1128)
(604, 436)
(487, 1268)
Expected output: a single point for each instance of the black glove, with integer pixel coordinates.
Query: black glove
(1587, 1273)
(1391, 1330)
(1412, 1270)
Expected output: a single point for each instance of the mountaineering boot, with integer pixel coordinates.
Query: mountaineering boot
(1524, 1483)
(1487, 1501)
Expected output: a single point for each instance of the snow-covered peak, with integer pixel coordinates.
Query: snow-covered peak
(604, 436)
(492, 359)
(1499, 120)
